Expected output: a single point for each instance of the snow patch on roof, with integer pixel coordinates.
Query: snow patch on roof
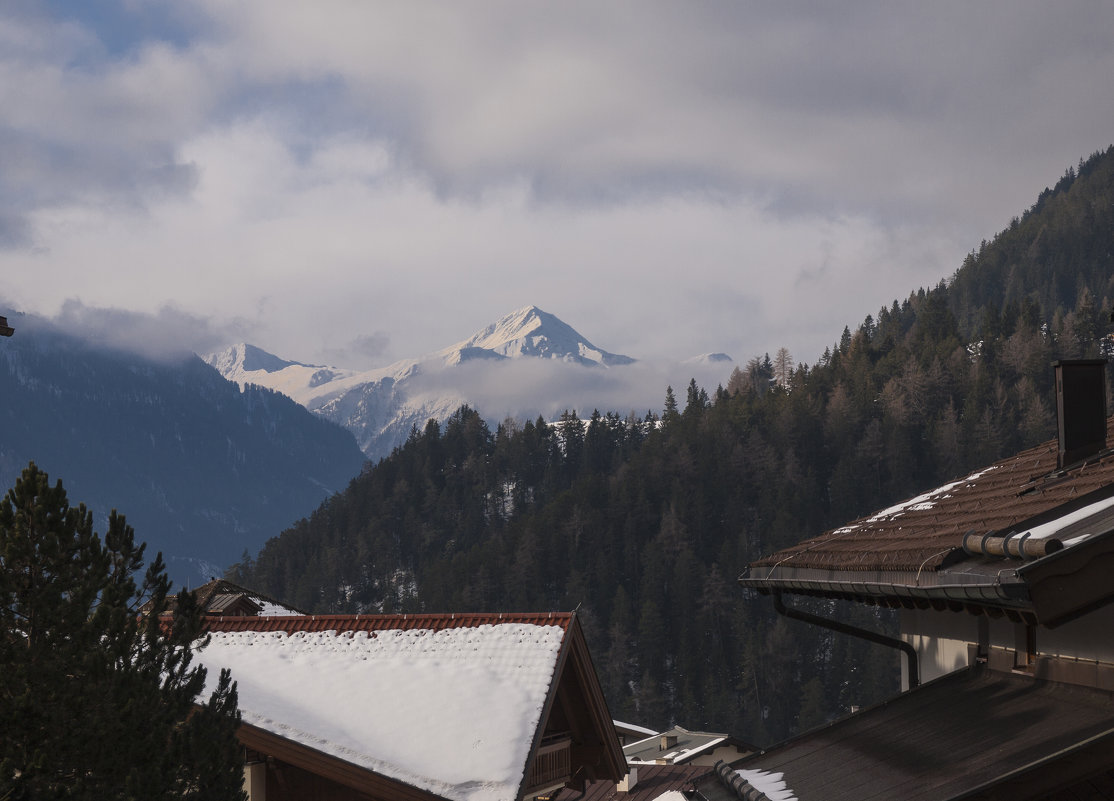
(772, 784)
(453, 712)
(1054, 528)
(271, 609)
(631, 727)
(697, 749)
(920, 503)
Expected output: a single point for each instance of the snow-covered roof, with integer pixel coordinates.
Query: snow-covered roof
(448, 705)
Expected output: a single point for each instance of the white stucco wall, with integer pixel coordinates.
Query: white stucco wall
(1091, 637)
(941, 639)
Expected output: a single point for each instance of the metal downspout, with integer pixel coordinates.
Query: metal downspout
(866, 634)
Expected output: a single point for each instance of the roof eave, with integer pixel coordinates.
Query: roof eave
(341, 771)
(1003, 592)
(1072, 582)
(575, 657)
(1051, 591)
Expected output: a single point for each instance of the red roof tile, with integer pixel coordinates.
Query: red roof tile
(342, 623)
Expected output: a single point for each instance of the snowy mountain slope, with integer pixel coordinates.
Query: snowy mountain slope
(311, 385)
(380, 406)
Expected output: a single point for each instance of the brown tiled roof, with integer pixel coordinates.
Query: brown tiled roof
(343, 623)
(920, 535)
(976, 733)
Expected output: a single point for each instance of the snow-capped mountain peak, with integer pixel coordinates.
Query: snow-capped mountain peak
(380, 406)
(247, 358)
(531, 332)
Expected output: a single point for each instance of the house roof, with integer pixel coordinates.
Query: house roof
(631, 731)
(683, 746)
(1001, 537)
(976, 733)
(653, 781)
(219, 597)
(448, 706)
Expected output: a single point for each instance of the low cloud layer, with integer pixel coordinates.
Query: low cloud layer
(524, 389)
(170, 334)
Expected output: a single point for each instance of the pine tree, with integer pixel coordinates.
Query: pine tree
(97, 699)
(670, 415)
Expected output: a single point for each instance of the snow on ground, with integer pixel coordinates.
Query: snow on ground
(452, 711)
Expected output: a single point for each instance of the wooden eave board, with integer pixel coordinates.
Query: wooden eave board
(577, 689)
(330, 767)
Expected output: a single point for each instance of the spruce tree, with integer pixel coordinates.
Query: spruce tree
(98, 696)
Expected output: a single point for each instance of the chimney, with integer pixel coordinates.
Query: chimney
(667, 741)
(628, 782)
(1080, 408)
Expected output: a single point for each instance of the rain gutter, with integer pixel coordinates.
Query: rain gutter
(844, 628)
(1002, 587)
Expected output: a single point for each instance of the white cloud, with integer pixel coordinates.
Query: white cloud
(313, 257)
(669, 179)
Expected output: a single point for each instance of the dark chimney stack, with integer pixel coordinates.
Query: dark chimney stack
(1080, 408)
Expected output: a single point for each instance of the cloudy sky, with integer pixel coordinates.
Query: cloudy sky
(356, 182)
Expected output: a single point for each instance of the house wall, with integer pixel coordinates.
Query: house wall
(255, 781)
(1091, 637)
(942, 638)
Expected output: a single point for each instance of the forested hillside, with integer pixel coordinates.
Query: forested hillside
(643, 523)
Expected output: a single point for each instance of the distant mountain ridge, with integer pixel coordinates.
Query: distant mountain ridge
(381, 406)
(203, 470)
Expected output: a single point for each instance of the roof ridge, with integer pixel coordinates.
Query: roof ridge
(381, 622)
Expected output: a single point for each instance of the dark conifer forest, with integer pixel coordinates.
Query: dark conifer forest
(642, 523)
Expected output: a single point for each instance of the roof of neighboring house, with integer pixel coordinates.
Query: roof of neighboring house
(222, 597)
(976, 733)
(679, 745)
(1023, 521)
(416, 706)
(652, 782)
(631, 731)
